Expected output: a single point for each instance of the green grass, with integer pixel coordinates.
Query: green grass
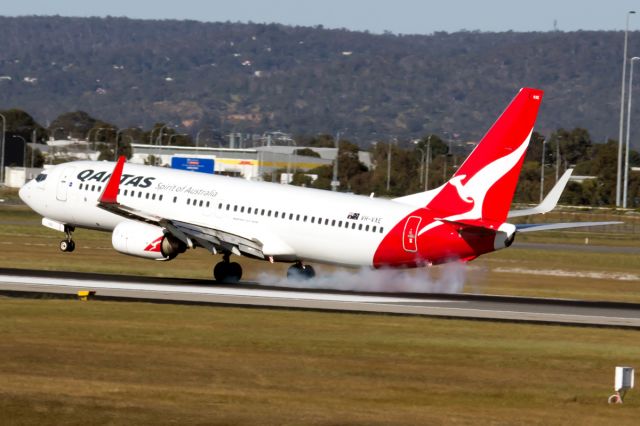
(70, 362)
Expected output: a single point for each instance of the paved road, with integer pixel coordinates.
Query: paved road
(172, 290)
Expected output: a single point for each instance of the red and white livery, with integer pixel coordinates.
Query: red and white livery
(158, 213)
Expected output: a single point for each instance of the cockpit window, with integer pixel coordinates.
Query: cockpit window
(41, 177)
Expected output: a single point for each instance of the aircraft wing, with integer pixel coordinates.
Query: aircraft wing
(533, 227)
(550, 201)
(213, 239)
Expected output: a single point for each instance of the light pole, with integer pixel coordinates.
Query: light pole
(4, 129)
(334, 181)
(395, 142)
(626, 147)
(427, 163)
(624, 70)
(544, 143)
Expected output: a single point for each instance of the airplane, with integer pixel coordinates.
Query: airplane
(159, 213)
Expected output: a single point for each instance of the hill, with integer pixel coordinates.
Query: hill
(255, 77)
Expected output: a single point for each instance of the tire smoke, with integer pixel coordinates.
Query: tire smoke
(448, 278)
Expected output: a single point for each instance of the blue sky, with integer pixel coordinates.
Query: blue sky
(398, 16)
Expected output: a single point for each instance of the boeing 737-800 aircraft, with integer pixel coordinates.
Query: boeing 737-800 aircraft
(158, 213)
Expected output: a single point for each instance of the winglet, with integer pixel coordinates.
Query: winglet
(110, 194)
(550, 201)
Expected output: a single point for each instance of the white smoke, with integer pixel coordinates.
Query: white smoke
(448, 278)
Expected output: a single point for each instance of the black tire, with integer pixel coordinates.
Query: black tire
(71, 247)
(220, 271)
(235, 272)
(308, 272)
(300, 272)
(227, 272)
(294, 272)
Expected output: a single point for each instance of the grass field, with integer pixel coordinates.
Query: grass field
(71, 362)
(544, 272)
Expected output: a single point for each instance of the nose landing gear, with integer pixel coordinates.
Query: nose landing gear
(227, 272)
(68, 245)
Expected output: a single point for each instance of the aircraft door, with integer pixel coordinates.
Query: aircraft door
(64, 183)
(410, 234)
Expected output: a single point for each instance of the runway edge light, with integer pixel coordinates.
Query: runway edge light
(624, 380)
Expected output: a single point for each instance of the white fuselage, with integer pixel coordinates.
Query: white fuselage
(291, 222)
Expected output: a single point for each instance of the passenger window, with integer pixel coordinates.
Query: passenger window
(200, 203)
(340, 224)
(126, 192)
(333, 222)
(146, 196)
(275, 214)
(153, 196)
(381, 229)
(249, 210)
(228, 206)
(139, 194)
(235, 208)
(93, 187)
(219, 205)
(313, 219)
(353, 225)
(242, 209)
(81, 188)
(269, 213)
(360, 227)
(175, 199)
(366, 228)
(305, 219)
(160, 197)
(262, 212)
(290, 216)
(297, 217)
(326, 221)
(188, 201)
(207, 203)
(374, 228)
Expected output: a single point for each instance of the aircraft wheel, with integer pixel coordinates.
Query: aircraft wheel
(72, 246)
(227, 272)
(66, 246)
(300, 272)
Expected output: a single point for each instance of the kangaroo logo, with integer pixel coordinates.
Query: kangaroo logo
(154, 245)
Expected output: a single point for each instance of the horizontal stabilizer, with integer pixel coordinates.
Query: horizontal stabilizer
(550, 201)
(533, 227)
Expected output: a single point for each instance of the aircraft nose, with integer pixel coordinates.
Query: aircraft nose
(24, 193)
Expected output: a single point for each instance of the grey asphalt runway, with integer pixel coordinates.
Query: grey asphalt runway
(15, 282)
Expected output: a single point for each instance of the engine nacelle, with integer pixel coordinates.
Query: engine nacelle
(144, 240)
(504, 236)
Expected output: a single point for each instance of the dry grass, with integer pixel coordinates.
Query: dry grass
(69, 362)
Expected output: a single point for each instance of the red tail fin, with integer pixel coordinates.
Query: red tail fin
(482, 188)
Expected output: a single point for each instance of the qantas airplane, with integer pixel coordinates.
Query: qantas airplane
(159, 213)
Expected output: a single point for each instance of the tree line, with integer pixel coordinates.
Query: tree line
(414, 164)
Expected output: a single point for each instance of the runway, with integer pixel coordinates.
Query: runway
(172, 290)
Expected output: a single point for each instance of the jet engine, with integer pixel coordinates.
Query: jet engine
(504, 236)
(144, 240)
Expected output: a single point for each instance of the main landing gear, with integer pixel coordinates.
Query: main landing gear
(227, 272)
(68, 245)
(299, 271)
